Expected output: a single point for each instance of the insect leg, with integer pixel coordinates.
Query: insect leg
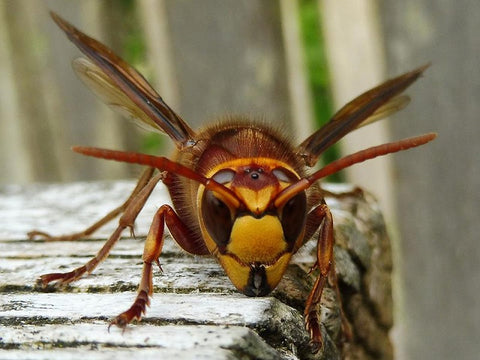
(151, 253)
(324, 261)
(130, 213)
(142, 182)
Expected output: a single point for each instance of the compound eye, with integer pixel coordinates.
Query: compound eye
(224, 176)
(281, 175)
(294, 214)
(217, 218)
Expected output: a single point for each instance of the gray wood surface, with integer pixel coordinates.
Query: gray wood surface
(195, 312)
(438, 193)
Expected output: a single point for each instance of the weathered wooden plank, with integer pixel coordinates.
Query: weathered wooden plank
(219, 309)
(121, 274)
(68, 208)
(98, 353)
(191, 293)
(147, 341)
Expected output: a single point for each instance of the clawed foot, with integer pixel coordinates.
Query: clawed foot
(312, 324)
(135, 311)
(313, 327)
(61, 279)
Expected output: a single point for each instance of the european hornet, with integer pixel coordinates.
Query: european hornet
(241, 191)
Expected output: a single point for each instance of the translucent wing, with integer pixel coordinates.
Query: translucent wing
(391, 107)
(102, 86)
(123, 88)
(365, 109)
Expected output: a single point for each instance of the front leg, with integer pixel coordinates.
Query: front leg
(151, 253)
(326, 266)
(323, 263)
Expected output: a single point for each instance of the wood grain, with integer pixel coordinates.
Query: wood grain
(195, 311)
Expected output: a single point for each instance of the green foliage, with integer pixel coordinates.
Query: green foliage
(317, 69)
(152, 143)
(316, 59)
(134, 51)
(133, 44)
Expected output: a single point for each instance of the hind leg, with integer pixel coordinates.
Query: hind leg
(142, 182)
(130, 213)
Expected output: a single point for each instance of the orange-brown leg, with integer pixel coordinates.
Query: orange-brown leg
(323, 263)
(126, 220)
(346, 328)
(151, 253)
(326, 265)
(142, 182)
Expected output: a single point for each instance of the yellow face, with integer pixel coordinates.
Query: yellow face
(254, 242)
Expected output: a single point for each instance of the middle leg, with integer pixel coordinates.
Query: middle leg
(325, 263)
(151, 253)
